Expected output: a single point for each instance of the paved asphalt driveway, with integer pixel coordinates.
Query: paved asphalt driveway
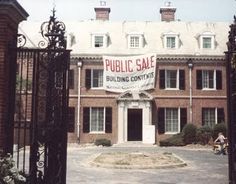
(203, 167)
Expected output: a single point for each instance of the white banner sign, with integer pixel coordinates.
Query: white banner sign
(129, 73)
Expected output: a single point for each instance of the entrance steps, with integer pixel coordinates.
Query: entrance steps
(134, 144)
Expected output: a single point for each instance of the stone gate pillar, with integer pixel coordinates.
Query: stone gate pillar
(11, 14)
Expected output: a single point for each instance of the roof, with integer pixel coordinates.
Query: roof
(79, 36)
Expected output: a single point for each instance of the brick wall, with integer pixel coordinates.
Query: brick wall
(102, 13)
(11, 14)
(162, 98)
(167, 14)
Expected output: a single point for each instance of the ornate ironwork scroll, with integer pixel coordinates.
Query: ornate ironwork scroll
(53, 32)
(21, 40)
(46, 69)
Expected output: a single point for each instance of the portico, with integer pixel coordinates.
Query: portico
(135, 117)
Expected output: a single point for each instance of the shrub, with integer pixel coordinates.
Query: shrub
(9, 173)
(203, 135)
(103, 142)
(175, 140)
(189, 133)
(221, 127)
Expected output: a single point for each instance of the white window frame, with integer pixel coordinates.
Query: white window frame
(214, 80)
(174, 132)
(90, 122)
(207, 35)
(92, 78)
(171, 35)
(140, 40)
(105, 39)
(215, 109)
(177, 79)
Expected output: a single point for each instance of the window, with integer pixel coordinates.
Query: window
(71, 119)
(97, 119)
(97, 78)
(94, 78)
(209, 116)
(207, 40)
(171, 40)
(171, 120)
(135, 40)
(212, 116)
(209, 79)
(172, 79)
(71, 79)
(99, 40)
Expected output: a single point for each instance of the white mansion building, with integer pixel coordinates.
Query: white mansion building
(143, 81)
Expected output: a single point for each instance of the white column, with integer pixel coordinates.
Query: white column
(125, 128)
(120, 122)
(148, 128)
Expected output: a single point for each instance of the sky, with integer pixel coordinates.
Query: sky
(131, 10)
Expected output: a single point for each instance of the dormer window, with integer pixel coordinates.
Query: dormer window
(207, 40)
(99, 40)
(171, 40)
(135, 40)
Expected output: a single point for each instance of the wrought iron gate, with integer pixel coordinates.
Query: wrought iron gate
(41, 107)
(231, 78)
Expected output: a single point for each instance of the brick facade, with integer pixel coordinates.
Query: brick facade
(11, 14)
(102, 13)
(167, 14)
(162, 98)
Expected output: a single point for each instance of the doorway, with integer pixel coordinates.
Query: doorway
(135, 127)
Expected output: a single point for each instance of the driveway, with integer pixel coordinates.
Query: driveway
(203, 167)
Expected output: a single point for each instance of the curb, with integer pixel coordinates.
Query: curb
(166, 166)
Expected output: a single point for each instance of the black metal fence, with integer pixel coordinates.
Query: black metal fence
(41, 106)
(40, 118)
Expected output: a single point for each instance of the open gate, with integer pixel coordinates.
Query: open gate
(41, 107)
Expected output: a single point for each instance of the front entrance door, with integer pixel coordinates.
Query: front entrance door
(135, 117)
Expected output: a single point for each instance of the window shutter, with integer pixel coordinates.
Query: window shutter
(183, 118)
(162, 79)
(199, 79)
(220, 115)
(88, 78)
(161, 120)
(108, 120)
(218, 79)
(86, 119)
(182, 79)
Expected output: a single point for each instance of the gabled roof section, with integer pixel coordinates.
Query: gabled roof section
(135, 96)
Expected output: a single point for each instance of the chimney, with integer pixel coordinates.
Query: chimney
(102, 12)
(167, 12)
